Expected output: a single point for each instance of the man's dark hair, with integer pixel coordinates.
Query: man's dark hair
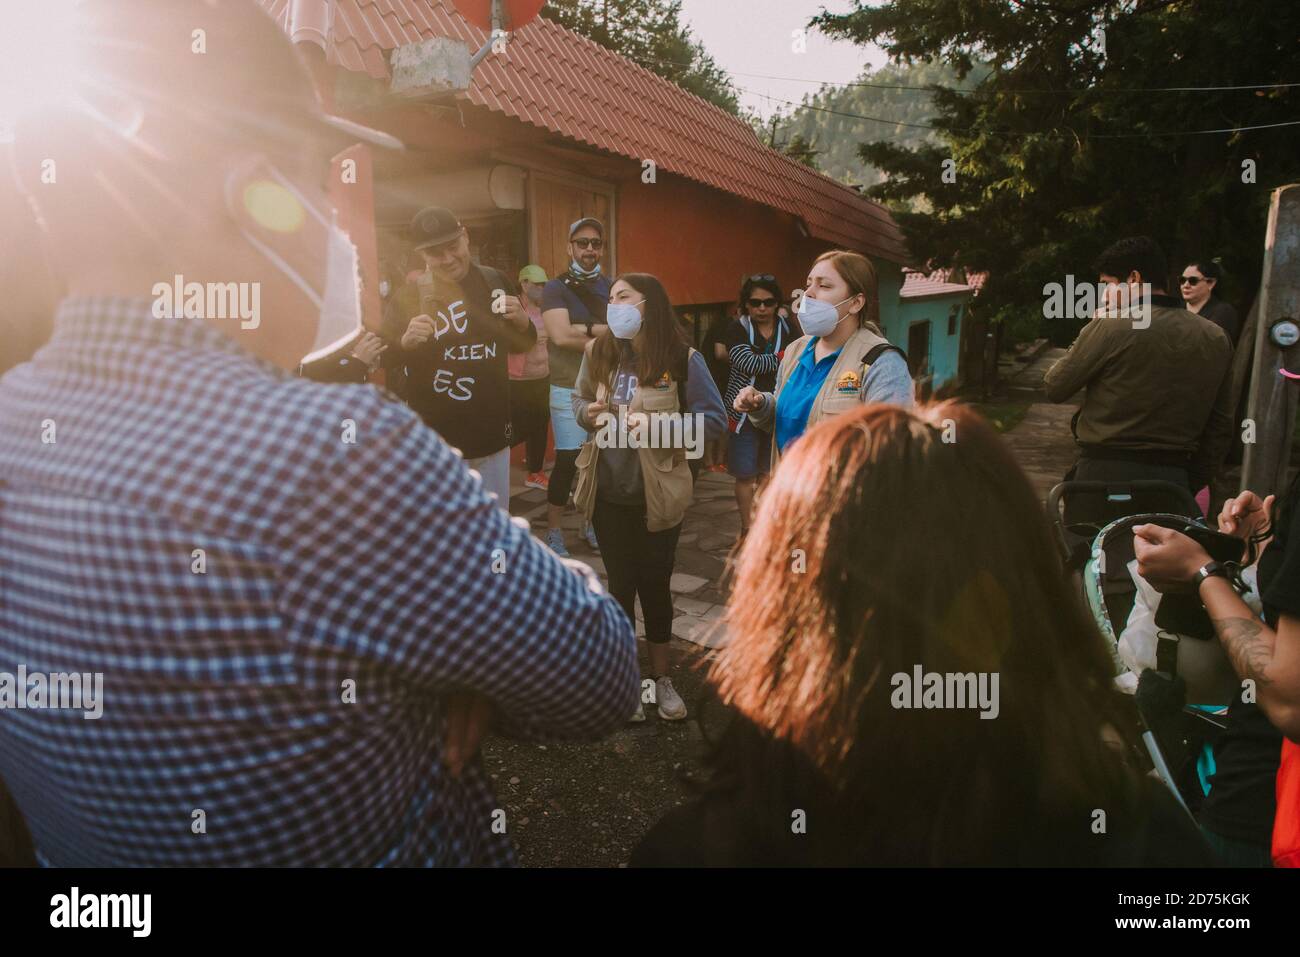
(1138, 254)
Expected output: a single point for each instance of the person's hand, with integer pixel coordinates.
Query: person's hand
(595, 410)
(1166, 559)
(1245, 515)
(749, 400)
(512, 310)
(369, 348)
(417, 331)
(468, 716)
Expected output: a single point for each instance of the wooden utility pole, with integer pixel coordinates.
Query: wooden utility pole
(1272, 406)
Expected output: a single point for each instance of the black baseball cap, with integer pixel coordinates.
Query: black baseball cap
(433, 226)
(588, 221)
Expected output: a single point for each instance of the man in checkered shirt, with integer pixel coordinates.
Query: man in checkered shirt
(304, 606)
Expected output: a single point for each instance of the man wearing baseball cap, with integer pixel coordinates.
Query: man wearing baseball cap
(455, 348)
(298, 603)
(573, 309)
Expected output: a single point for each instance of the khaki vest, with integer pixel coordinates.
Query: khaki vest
(665, 473)
(845, 383)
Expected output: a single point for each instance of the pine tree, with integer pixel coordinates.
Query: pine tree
(1066, 146)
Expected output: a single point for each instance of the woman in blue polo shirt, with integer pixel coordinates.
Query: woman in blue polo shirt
(841, 361)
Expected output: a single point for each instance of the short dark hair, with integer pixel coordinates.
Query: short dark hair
(759, 282)
(1207, 268)
(1138, 254)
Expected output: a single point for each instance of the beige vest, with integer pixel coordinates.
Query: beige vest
(845, 385)
(665, 473)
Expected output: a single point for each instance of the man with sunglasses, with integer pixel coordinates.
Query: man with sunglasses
(456, 372)
(573, 311)
(755, 343)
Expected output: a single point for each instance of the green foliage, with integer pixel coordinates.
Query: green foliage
(803, 150)
(1058, 151)
(830, 117)
(650, 33)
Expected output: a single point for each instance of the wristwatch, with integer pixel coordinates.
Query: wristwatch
(1209, 570)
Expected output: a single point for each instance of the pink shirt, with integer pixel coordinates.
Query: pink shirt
(532, 364)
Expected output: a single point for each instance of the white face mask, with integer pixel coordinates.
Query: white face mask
(819, 318)
(624, 319)
(338, 305)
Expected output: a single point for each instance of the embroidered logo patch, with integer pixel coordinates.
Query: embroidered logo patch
(664, 382)
(848, 382)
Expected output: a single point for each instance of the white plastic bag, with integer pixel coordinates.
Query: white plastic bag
(1202, 664)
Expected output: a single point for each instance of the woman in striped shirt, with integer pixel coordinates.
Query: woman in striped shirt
(755, 343)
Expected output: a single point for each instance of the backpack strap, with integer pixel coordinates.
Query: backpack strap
(685, 370)
(594, 304)
(878, 350)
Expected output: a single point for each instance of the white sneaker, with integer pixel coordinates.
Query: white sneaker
(639, 714)
(671, 705)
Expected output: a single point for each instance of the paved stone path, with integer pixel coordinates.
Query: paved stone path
(711, 526)
(1041, 441)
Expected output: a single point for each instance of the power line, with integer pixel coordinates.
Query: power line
(1086, 136)
(938, 88)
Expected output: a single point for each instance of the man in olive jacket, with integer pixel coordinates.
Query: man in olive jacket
(1158, 401)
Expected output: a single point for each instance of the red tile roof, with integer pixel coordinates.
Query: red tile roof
(554, 79)
(941, 282)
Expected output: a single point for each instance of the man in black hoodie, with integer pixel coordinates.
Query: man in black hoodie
(454, 349)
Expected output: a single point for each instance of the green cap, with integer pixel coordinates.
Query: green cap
(533, 273)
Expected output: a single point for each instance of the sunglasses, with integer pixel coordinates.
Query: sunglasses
(1190, 281)
(596, 244)
(760, 303)
(760, 277)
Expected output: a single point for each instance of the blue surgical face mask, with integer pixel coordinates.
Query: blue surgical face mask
(819, 318)
(576, 268)
(624, 319)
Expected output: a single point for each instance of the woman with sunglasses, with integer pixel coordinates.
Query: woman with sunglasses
(1197, 283)
(841, 361)
(755, 344)
(651, 403)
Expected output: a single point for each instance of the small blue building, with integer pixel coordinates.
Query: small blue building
(928, 324)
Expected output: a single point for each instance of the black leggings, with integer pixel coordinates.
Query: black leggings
(530, 413)
(557, 492)
(638, 562)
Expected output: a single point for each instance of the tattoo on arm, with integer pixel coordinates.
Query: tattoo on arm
(1249, 645)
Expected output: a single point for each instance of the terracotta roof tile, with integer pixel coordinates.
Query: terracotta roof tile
(558, 81)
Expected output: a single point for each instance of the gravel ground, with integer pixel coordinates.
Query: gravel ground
(587, 805)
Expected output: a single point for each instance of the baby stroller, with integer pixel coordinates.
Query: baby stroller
(1183, 682)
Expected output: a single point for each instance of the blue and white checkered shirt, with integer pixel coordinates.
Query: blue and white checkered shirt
(192, 523)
